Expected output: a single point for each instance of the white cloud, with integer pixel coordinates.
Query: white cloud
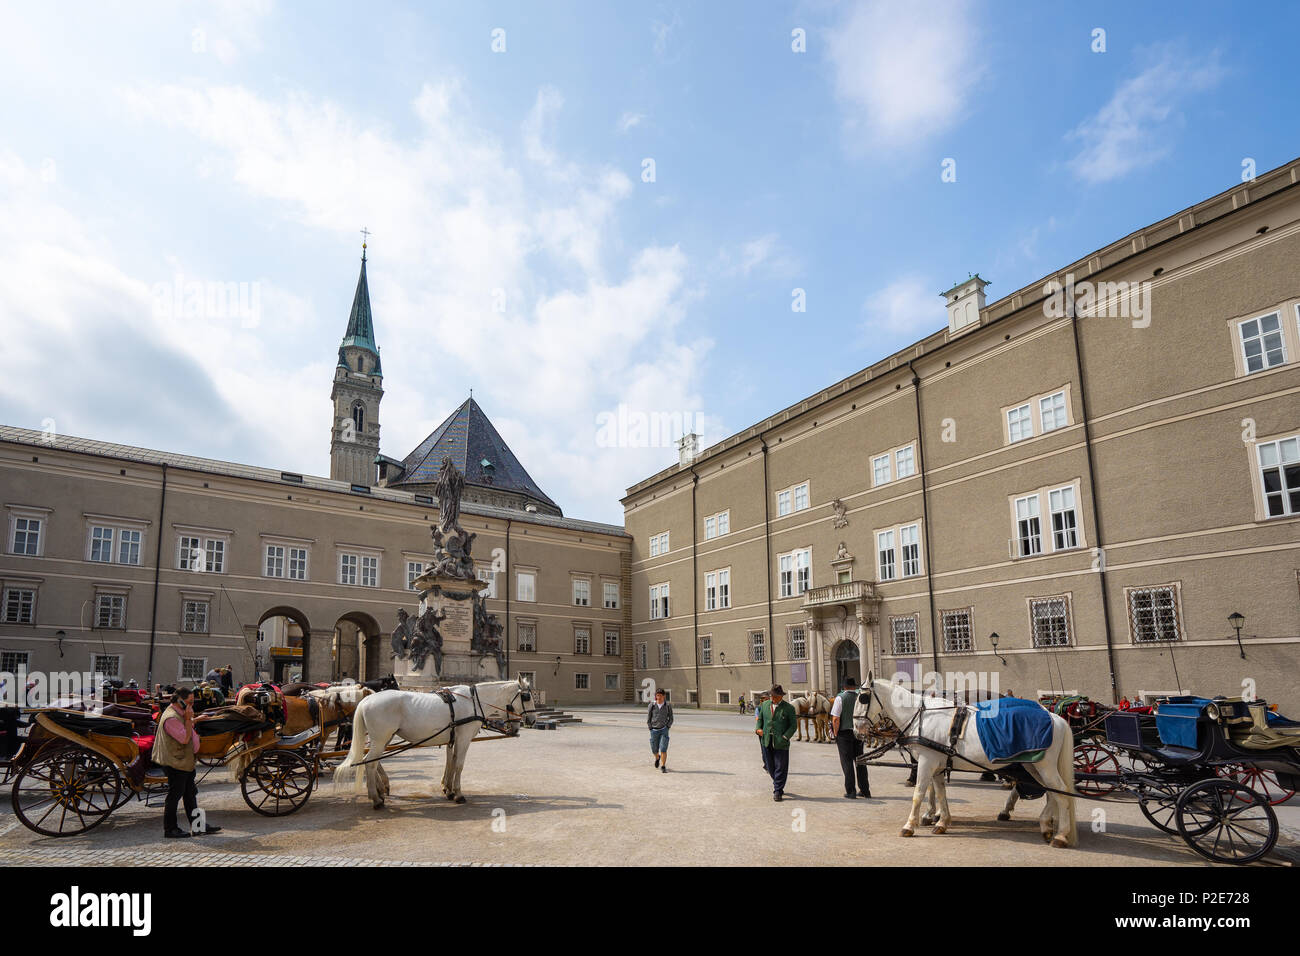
(765, 254)
(904, 70)
(1137, 127)
(909, 307)
(630, 120)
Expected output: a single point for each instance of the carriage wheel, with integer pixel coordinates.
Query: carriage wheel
(1226, 822)
(65, 791)
(1096, 759)
(1264, 782)
(278, 782)
(1159, 804)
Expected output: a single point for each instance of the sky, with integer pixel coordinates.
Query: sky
(599, 217)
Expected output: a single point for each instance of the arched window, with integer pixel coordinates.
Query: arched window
(359, 417)
(361, 364)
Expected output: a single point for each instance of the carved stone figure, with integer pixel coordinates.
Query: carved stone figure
(451, 542)
(843, 553)
(449, 487)
(841, 518)
(427, 640)
(401, 634)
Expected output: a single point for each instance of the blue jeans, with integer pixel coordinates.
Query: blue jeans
(659, 741)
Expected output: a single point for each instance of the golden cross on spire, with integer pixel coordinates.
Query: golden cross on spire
(365, 236)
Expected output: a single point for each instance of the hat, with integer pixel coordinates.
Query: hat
(777, 690)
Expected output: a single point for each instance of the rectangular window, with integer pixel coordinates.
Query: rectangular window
(611, 594)
(957, 638)
(298, 564)
(785, 575)
(274, 561)
(724, 522)
(611, 642)
(369, 571)
(27, 536)
(1153, 614)
(706, 649)
(757, 647)
(611, 682)
(413, 570)
(193, 668)
(1051, 411)
(582, 592)
(526, 585)
(659, 607)
(798, 644)
(581, 681)
(347, 569)
(101, 544)
(20, 606)
(527, 637)
(215, 556)
(110, 610)
(1020, 423)
(128, 547)
(582, 640)
(665, 654)
(802, 570)
(801, 497)
(909, 537)
(906, 464)
(711, 591)
(642, 656)
(724, 588)
(14, 662)
(1049, 620)
(1064, 520)
(1261, 342)
(107, 665)
(490, 576)
(659, 544)
(885, 555)
(189, 553)
(1028, 530)
(903, 636)
(881, 469)
(194, 618)
(654, 546)
(710, 527)
(783, 503)
(1279, 465)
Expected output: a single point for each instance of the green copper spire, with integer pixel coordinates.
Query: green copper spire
(361, 329)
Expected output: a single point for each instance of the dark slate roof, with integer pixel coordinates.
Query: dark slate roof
(361, 327)
(469, 439)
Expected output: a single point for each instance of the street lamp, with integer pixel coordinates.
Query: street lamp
(993, 639)
(60, 635)
(1237, 621)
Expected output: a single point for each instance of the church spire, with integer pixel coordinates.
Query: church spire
(360, 333)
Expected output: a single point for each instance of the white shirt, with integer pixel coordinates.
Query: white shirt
(837, 708)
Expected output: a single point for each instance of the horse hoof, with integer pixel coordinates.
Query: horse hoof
(460, 799)
(927, 820)
(1047, 837)
(1004, 815)
(906, 831)
(939, 828)
(1060, 841)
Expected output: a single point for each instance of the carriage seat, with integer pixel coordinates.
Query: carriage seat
(297, 740)
(235, 718)
(1266, 731)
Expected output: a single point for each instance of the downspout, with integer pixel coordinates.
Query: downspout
(1096, 508)
(767, 538)
(507, 587)
(157, 569)
(925, 515)
(695, 593)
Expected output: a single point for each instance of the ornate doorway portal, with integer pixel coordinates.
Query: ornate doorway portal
(848, 663)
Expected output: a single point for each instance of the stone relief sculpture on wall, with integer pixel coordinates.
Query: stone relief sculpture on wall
(840, 518)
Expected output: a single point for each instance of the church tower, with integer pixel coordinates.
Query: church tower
(358, 388)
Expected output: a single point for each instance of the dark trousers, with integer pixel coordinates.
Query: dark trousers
(778, 767)
(850, 747)
(767, 767)
(180, 786)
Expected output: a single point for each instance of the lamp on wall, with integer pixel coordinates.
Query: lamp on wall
(558, 661)
(722, 658)
(993, 639)
(1237, 621)
(59, 635)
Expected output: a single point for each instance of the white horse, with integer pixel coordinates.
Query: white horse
(931, 718)
(427, 720)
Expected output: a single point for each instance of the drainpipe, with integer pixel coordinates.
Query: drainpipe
(767, 538)
(157, 568)
(1096, 508)
(925, 514)
(695, 593)
(507, 587)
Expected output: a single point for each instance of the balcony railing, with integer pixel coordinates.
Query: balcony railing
(845, 593)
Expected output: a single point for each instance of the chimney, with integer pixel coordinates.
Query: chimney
(965, 301)
(688, 449)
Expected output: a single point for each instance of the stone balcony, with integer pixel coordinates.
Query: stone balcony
(847, 593)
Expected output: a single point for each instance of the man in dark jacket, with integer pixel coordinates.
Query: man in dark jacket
(659, 719)
(776, 724)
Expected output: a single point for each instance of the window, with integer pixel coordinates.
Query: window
(658, 544)
(128, 547)
(885, 555)
(1028, 530)
(710, 527)
(794, 572)
(908, 554)
(490, 576)
(369, 571)
(797, 640)
(526, 585)
(1062, 508)
(413, 570)
(801, 497)
(347, 569)
(665, 654)
(1153, 614)
(1261, 342)
(26, 537)
(706, 649)
(1064, 520)
(782, 503)
(106, 665)
(611, 682)
(1279, 464)
(905, 462)
(582, 640)
(611, 594)
(530, 677)
(903, 636)
(215, 553)
(724, 696)
(527, 636)
(298, 564)
(194, 617)
(193, 668)
(659, 607)
(1051, 411)
(581, 681)
(19, 607)
(881, 470)
(957, 630)
(1020, 423)
(582, 592)
(1049, 620)
(198, 553)
(724, 522)
(14, 662)
(101, 544)
(792, 499)
(757, 647)
(909, 537)
(275, 561)
(642, 656)
(717, 590)
(110, 610)
(611, 642)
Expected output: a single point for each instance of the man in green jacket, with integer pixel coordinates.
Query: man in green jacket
(776, 724)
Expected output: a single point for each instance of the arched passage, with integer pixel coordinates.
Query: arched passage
(847, 662)
(358, 648)
(282, 644)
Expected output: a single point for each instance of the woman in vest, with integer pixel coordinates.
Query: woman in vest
(174, 746)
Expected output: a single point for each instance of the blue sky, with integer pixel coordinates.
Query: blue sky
(517, 250)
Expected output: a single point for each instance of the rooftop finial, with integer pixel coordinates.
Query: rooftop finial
(365, 235)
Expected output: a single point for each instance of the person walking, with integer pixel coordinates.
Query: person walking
(776, 724)
(175, 744)
(847, 742)
(659, 719)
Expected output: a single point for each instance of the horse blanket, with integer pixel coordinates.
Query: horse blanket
(1012, 728)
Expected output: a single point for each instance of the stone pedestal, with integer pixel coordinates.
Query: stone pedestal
(453, 597)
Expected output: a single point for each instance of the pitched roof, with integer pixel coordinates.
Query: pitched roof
(469, 439)
(361, 327)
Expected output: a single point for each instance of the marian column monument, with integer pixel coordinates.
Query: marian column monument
(453, 640)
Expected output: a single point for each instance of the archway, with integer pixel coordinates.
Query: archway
(282, 645)
(358, 648)
(847, 663)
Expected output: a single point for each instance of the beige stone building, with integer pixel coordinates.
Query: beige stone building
(1099, 468)
(145, 564)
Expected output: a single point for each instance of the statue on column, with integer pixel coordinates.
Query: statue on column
(427, 640)
(451, 542)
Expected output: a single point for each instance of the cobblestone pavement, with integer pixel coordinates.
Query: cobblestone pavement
(588, 794)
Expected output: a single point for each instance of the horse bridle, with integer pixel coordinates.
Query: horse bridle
(511, 720)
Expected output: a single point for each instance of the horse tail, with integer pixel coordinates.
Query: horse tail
(348, 773)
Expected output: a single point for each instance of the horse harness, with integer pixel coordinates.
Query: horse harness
(476, 715)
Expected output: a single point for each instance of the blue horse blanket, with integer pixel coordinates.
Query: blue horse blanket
(1012, 728)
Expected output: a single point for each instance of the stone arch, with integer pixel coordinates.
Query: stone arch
(289, 630)
(359, 649)
(848, 662)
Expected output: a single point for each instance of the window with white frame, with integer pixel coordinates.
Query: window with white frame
(792, 499)
(794, 572)
(885, 567)
(612, 642)
(348, 568)
(526, 585)
(1049, 621)
(1153, 614)
(490, 576)
(297, 564)
(610, 589)
(797, 642)
(110, 611)
(909, 539)
(214, 551)
(1029, 531)
(1052, 412)
(1037, 415)
(801, 497)
(530, 677)
(106, 665)
(197, 552)
(101, 543)
(413, 570)
(20, 606)
(128, 546)
(717, 590)
(275, 557)
(898, 551)
(724, 696)
(582, 640)
(957, 631)
(14, 662)
(1061, 505)
(194, 617)
(665, 654)
(658, 544)
(757, 647)
(642, 656)
(659, 604)
(1065, 521)
(25, 535)
(527, 636)
(724, 522)
(905, 462)
(904, 640)
(881, 470)
(582, 682)
(717, 524)
(192, 668)
(582, 592)
(783, 499)
(1279, 467)
(706, 649)
(611, 682)
(1262, 342)
(369, 571)
(1020, 423)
